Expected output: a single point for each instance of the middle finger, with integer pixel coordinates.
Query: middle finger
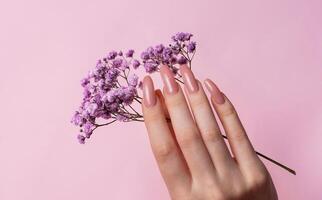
(186, 131)
(206, 122)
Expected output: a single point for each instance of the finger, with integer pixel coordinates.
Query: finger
(206, 122)
(186, 131)
(237, 137)
(169, 158)
(165, 109)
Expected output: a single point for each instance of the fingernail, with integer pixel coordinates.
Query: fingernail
(148, 92)
(189, 79)
(214, 91)
(168, 80)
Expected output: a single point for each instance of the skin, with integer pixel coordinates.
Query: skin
(194, 160)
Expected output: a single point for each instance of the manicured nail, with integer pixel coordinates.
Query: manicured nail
(214, 91)
(189, 79)
(170, 83)
(148, 92)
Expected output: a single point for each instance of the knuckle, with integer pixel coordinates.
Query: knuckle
(163, 151)
(212, 136)
(188, 138)
(238, 135)
(218, 195)
(258, 180)
(228, 111)
(239, 193)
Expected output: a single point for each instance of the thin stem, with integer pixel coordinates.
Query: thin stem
(138, 120)
(126, 78)
(137, 100)
(134, 110)
(179, 80)
(273, 161)
(99, 125)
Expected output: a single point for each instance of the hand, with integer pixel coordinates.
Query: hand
(191, 153)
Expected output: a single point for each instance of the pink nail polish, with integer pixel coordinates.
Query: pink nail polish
(168, 80)
(189, 79)
(148, 92)
(214, 91)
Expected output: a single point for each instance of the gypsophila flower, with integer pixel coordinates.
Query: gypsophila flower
(110, 88)
(191, 47)
(182, 60)
(112, 55)
(129, 53)
(136, 64)
(133, 80)
(145, 55)
(81, 139)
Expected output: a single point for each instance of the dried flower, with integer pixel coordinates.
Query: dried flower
(110, 88)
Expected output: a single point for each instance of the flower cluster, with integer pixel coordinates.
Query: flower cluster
(180, 51)
(110, 89)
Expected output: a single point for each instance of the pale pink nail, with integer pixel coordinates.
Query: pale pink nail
(214, 91)
(148, 92)
(168, 80)
(189, 79)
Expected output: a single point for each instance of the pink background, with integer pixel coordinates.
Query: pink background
(265, 55)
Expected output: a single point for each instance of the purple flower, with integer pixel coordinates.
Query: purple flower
(173, 60)
(87, 129)
(110, 88)
(130, 53)
(81, 139)
(133, 80)
(182, 60)
(150, 51)
(91, 108)
(159, 48)
(111, 75)
(121, 118)
(181, 37)
(110, 96)
(86, 93)
(112, 55)
(135, 64)
(99, 64)
(145, 55)
(117, 63)
(126, 94)
(191, 47)
(167, 54)
(84, 82)
(124, 65)
(150, 67)
(78, 119)
(188, 36)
